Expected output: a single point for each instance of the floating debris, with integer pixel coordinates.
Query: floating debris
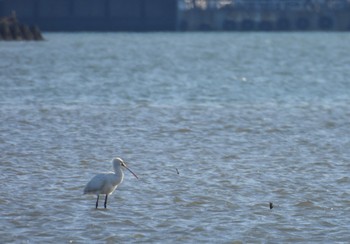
(177, 171)
(271, 205)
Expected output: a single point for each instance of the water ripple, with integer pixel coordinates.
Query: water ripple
(213, 135)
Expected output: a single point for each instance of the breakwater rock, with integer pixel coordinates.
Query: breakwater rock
(12, 30)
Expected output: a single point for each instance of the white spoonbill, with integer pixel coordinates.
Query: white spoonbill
(107, 183)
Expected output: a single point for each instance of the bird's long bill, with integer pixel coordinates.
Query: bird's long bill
(131, 172)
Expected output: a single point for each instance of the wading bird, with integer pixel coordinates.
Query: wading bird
(107, 183)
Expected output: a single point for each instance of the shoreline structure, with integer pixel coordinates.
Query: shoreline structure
(176, 15)
(12, 30)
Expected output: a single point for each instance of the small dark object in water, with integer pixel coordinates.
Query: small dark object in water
(271, 205)
(177, 171)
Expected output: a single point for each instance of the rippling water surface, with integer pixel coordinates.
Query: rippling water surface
(247, 119)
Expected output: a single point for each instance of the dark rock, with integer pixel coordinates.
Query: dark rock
(12, 30)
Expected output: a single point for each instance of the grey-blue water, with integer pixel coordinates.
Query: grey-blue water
(246, 119)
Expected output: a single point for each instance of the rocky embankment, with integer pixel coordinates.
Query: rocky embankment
(12, 30)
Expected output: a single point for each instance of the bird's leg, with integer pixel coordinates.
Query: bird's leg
(98, 196)
(106, 200)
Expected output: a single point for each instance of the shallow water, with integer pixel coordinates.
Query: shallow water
(246, 118)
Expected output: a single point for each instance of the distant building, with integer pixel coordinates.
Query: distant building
(264, 15)
(265, 4)
(181, 15)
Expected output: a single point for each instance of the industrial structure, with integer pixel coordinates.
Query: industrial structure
(181, 15)
(264, 15)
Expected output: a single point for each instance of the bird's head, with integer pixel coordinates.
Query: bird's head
(117, 162)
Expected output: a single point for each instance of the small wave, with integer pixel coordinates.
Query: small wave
(305, 204)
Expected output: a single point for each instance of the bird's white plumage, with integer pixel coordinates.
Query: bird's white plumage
(108, 182)
(104, 183)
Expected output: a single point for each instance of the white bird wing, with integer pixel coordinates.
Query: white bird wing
(96, 184)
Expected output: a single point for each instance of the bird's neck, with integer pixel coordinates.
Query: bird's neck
(119, 172)
(118, 176)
